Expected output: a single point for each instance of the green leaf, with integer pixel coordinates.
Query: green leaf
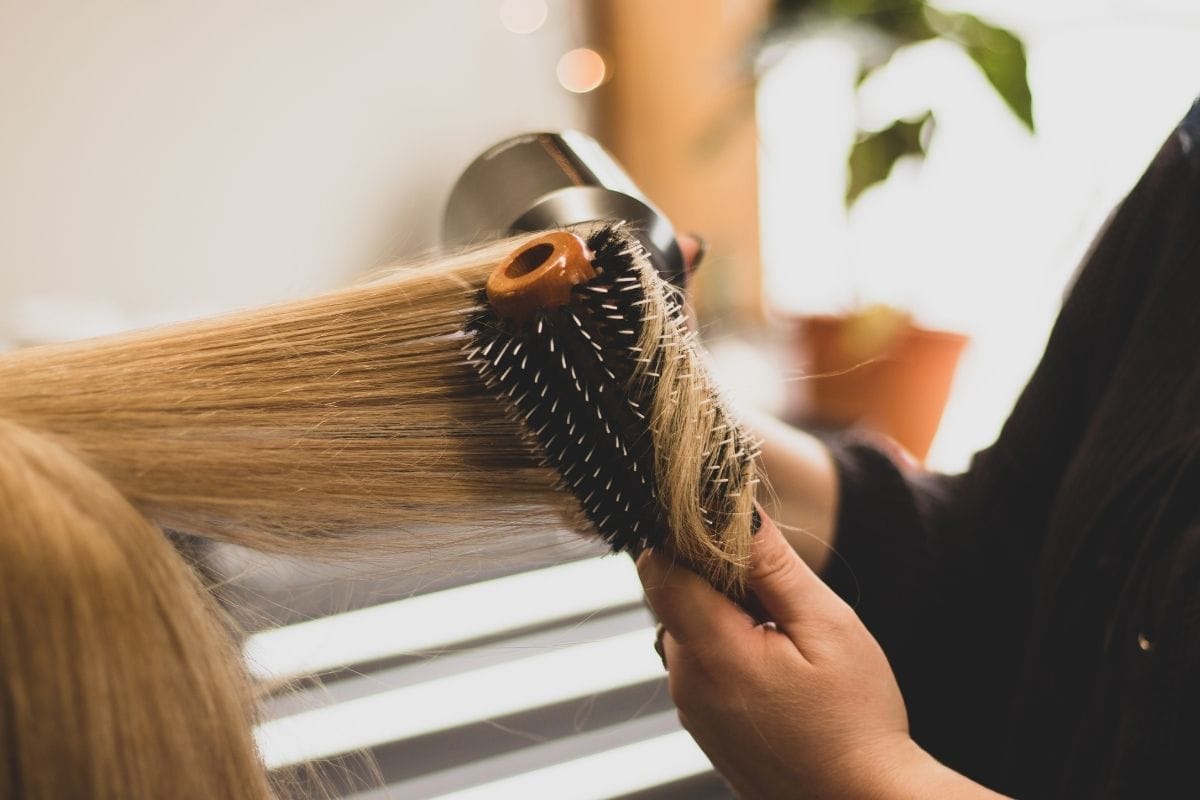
(906, 21)
(997, 51)
(876, 152)
(900, 22)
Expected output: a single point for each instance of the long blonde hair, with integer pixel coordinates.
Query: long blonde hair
(347, 420)
(293, 426)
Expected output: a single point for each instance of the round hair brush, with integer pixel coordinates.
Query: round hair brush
(589, 348)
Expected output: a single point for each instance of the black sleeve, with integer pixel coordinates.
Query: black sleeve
(940, 568)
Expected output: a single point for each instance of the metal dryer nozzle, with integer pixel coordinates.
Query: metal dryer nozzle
(540, 181)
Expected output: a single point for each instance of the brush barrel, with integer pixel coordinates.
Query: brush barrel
(602, 377)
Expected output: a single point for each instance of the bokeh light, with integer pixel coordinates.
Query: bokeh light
(581, 70)
(523, 16)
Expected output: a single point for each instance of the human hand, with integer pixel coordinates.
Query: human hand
(693, 248)
(803, 706)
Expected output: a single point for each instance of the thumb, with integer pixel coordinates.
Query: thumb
(790, 593)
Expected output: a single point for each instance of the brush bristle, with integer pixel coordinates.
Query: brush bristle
(579, 380)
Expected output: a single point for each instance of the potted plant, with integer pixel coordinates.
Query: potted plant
(875, 366)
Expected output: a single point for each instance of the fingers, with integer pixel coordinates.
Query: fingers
(693, 247)
(790, 593)
(686, 604)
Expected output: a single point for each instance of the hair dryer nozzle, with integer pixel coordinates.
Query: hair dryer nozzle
(542, 181)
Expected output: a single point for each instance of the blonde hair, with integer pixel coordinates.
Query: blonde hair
(295, 426)
(349, 419)
(116, 678)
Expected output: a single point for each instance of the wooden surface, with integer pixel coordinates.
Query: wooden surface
(678, 112)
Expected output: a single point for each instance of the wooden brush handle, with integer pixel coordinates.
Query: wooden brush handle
(539, 275)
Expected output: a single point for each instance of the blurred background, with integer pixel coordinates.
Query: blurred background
(894, 194)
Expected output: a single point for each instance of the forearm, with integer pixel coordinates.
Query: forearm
(803, 483)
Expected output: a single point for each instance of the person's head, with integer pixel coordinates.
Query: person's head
(116, 677)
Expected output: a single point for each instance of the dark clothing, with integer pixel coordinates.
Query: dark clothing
(1042, 610)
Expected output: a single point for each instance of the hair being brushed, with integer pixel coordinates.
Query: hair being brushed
(314, 427)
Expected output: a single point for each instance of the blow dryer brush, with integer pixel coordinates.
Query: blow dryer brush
(590, 350)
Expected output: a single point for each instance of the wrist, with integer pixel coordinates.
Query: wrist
(913, 774)
(901, 770)
(881, 770)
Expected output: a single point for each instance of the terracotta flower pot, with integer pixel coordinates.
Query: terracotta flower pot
(877, 370)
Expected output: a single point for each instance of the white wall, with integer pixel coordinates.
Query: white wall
(163, 160)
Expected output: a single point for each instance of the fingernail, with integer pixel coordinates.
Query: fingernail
(701, 250)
